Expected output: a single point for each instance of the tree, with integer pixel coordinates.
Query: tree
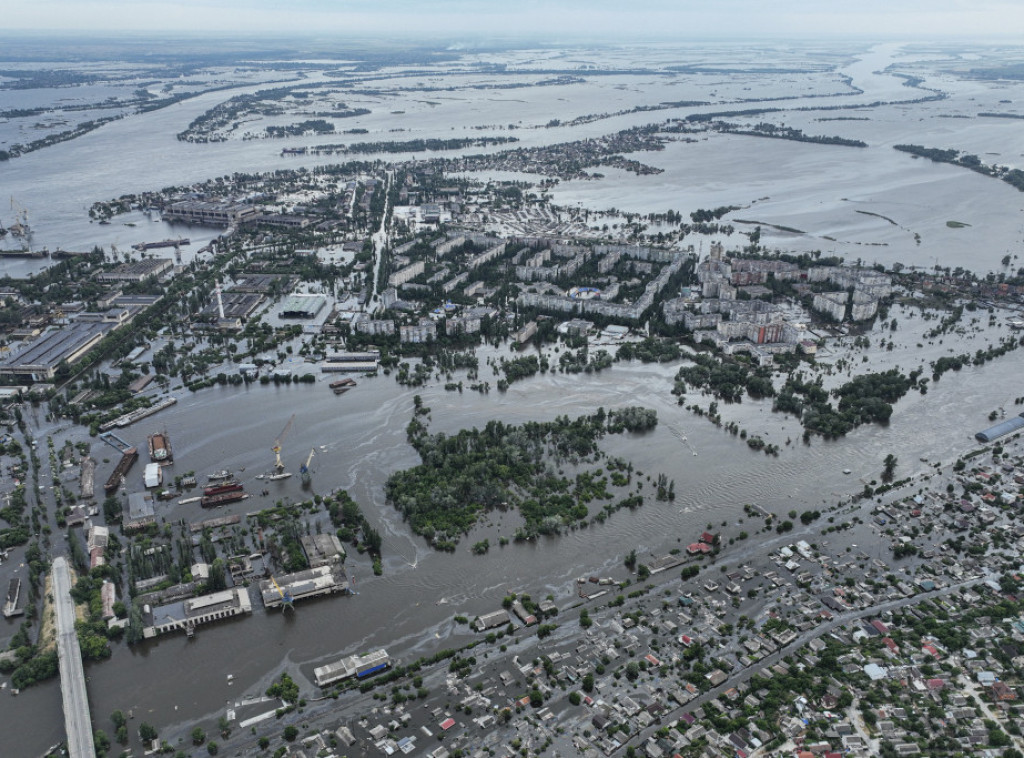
(198, 736)
(101, 742)
(211, 748)
(889, 467)
(290, 733)
(146, 732)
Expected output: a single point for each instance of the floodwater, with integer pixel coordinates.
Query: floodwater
(359, 437)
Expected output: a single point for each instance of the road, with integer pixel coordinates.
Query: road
(77, 723)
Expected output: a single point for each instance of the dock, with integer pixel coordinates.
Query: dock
(138, 415)
(11, 603)
(24, 253)
(115, 442)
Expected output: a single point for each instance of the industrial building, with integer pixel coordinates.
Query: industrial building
(39, 361)
(141, 511)
(302, 306)
(208, 213)
(322, 549)
(1001, 429)
(323, 580)
(237, 305)
(185, 615)
(153, 475)
(353, 665)
(491, 620)
(137, 271)
(348, 367)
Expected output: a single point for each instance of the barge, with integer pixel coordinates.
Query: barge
(220, 489)
(160, 449)
(143, 246)
(213, 501)
(128, 459)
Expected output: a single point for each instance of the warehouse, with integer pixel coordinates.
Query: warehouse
(1001, 429)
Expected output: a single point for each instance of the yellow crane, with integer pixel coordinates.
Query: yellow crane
(286, 598)
(278, 463)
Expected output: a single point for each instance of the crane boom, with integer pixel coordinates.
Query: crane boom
(286, 597)
(279, 464)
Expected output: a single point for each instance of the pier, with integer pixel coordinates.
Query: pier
(141, 413)
(72, 676)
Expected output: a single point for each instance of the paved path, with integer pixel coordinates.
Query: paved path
(77, 723)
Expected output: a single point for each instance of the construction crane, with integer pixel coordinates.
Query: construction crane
(278, 463)
(20, 227)
(286, 597)
(307, 477)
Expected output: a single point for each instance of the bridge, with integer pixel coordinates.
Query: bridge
(77, 723)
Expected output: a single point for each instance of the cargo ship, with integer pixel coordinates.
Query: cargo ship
(220, 489)
(212, 501)
(128, 459)
(160, 449)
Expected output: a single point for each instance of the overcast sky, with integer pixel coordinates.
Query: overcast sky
(447, 19)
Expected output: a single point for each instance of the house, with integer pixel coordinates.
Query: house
(1001, 692)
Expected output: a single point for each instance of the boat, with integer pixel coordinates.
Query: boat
(160, 448)
(279, 476)
(218, 475)
(222, 499)
(220, 489)
(342, 383)
(847, 471)
(128, 458)
(341, 390)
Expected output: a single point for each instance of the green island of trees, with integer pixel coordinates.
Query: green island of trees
(504, 466)
(1012, 176)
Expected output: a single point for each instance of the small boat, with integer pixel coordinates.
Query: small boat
(279, 477)
(847, 471)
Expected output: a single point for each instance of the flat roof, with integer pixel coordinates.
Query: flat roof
(303, 304)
